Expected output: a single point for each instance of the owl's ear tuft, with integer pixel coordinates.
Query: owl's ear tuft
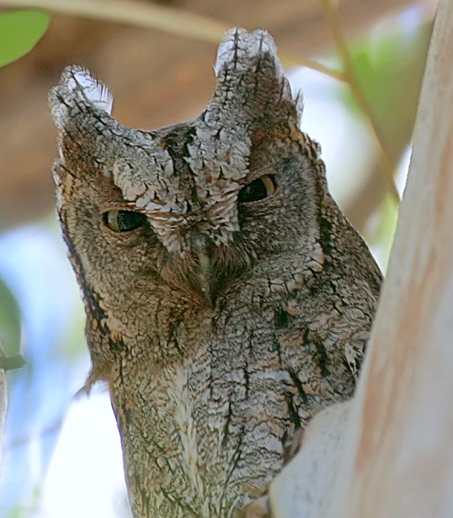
(240, 50)
(78, 89)
(82, 82)
(251, 79)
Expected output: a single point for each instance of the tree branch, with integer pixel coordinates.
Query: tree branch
(330, 12)
(167, 19)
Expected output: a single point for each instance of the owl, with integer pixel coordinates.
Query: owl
(227, 298)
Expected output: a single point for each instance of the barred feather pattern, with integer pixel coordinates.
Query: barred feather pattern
(220, 326)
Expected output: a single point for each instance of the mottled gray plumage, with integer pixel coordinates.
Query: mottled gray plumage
(221, 324)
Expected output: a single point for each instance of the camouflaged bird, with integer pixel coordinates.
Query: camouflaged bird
(227, 298)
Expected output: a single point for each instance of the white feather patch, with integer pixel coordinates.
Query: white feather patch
(80, 80)
(77, 84)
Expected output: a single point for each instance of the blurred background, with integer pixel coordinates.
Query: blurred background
(62, 454)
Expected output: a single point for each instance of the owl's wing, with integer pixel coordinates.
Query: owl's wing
(355, 351)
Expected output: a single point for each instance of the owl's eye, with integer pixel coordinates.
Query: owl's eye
(123, 220)
(257, 190)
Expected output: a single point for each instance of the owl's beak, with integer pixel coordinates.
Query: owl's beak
(201, 246)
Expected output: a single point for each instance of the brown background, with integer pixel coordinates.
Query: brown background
(156, 78)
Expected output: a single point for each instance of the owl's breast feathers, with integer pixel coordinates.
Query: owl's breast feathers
(254, 370)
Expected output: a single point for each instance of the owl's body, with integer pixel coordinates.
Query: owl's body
(228, 300)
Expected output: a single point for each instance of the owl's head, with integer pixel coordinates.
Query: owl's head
(195, 206)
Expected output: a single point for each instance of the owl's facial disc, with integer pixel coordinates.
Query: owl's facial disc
(196, 270)
(205, 263)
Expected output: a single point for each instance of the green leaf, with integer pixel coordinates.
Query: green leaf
(20, 31)
(390, 69)
(10, 321)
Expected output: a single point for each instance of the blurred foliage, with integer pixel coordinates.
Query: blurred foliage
(385, 230)
(389, 65)
(10, 321)
(390, 70)
(20, 31)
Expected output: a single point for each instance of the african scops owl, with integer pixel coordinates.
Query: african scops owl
(227, 298)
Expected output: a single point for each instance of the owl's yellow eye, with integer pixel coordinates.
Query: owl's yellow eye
(123, 220)
(258, 190)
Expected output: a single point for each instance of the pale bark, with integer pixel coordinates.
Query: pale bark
(304, 487)
(395, 448)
